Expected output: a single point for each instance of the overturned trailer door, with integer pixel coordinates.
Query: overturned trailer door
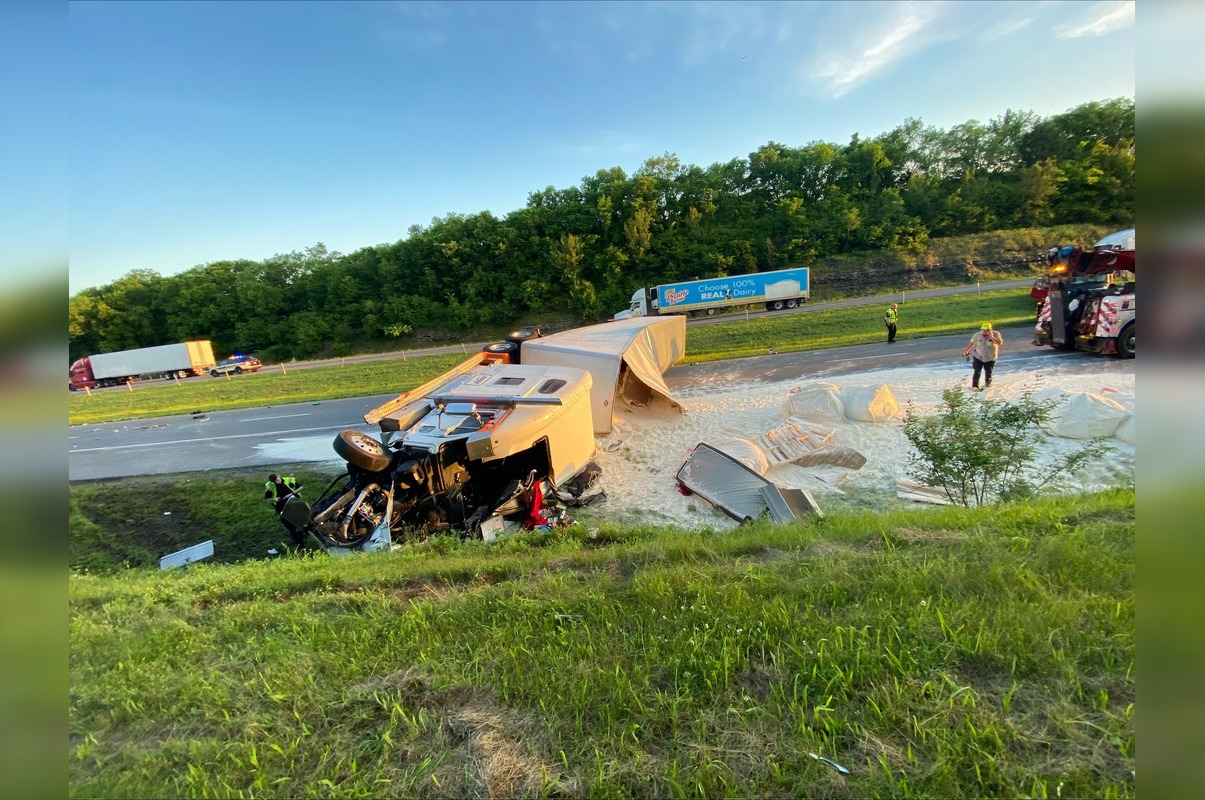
(627, 359)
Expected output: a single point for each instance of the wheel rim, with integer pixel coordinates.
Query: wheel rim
(366, 444)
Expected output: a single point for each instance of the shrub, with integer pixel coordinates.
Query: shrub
(981, 450)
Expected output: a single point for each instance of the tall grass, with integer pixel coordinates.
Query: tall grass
(934, 653)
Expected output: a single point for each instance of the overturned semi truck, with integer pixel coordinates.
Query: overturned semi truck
(480, 441)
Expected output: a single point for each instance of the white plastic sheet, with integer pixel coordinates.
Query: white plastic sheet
(870, 403)
(815, 401)
(1084, 415)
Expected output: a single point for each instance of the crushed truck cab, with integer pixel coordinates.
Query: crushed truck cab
(489, 437)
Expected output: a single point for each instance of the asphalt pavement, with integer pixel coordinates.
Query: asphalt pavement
(287, 434)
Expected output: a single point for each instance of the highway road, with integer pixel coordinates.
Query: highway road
(291, 434)
(471, 347)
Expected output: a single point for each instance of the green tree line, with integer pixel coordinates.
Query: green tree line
(584, 249)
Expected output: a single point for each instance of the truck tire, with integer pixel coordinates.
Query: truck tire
(361, 450)
(1127, 343)
(520, 335)
(792, 303)
(774, 305)
(504, 348)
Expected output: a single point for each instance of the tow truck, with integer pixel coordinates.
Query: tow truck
(1091, 301)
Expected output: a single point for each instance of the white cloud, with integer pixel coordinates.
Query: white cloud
(1006, 28)
(906, 29)
(1102, 19)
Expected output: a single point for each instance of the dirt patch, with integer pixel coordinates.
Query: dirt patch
(830, 550)
(920, 536)
(492, 751)
(758, 679)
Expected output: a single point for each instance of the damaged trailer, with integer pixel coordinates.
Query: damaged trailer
(627, 360)
(488, 438)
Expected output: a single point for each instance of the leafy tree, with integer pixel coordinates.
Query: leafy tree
(592, 244)
(981, 450)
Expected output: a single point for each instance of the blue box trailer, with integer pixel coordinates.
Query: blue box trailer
(784, 288)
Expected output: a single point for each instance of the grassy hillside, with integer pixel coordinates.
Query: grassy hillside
(932, 653)
(804, 331)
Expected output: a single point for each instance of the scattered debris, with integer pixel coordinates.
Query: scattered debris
(837, 456)
(737, 490)
(919, 493)
(791, 440)
(187, 555)
(787, 505)
(830, 762)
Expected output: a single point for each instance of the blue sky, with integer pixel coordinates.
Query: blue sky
(208, 131)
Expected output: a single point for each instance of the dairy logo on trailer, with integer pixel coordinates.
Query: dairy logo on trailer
(672, 297)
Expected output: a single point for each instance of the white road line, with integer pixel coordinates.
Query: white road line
(210, 439)
(279, 416)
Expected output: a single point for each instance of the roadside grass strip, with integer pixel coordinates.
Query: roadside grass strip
(930, 653)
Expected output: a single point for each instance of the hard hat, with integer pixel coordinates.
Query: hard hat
(987, 326)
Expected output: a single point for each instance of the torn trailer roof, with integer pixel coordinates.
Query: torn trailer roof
(626, 358)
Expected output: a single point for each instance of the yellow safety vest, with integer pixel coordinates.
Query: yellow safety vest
(289, 481)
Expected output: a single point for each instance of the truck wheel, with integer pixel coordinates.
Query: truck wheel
(775, 305)
(1126, 341)
(792, 303)
(521, 335)
(711, 312)
(361, 450)
(504, 348)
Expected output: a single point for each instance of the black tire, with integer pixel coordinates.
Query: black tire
(521, 335)
(238, 370)
(361, 450)
(1127, 343)
(792, 303)
(711, 312)
(503, 348)
(775, 305)
(213, 373)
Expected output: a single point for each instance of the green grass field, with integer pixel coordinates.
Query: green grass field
(932, 653)
(786, 333)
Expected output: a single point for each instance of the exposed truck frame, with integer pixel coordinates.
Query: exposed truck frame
(183, 359)
(1091, 301)
(483, 441)
(784, 288)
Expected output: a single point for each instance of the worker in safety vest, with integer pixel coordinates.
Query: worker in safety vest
(984, 347)
(890, 319)
(280, 490)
